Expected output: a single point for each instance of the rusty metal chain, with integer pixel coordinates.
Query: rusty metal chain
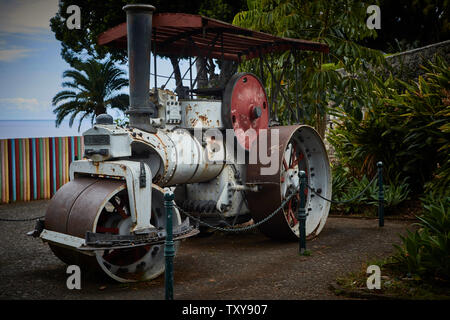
(285, 201)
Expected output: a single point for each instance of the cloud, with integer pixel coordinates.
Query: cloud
(9, 55)
(21, 104)
(26, 20)
(24, 108)
(26, 17)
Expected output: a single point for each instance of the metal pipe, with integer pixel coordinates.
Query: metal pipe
(139, 35)
(154, 63)
(380, 195)
(169, 250)
(302, 213)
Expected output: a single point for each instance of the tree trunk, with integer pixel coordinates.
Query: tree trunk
(321, 123)
(212, 69)
(202, 74)
(100, 109)
(177, 73)
(228, 68)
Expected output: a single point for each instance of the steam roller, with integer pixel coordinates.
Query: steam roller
(215, 152)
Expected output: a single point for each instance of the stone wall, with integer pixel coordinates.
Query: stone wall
(406, 65)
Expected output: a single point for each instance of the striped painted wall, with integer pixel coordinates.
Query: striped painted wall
(34, 168)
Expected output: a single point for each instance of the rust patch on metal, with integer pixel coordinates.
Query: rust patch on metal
(164, 147)
(205, 121)
(96, 165)
(59, 207)
(193, 122)
(188, 109)
(313, 234)
(86, 207)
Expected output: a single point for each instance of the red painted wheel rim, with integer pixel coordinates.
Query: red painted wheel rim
(248, 95)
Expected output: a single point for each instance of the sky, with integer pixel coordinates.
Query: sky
(31, 66)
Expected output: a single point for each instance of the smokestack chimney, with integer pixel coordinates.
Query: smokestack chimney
(139, 35)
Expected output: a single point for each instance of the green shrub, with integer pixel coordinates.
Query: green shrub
(405, 125)
(426, 252)
(346, 187)
(394, 193)
(340, 180)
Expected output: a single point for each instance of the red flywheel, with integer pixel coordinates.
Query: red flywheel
(245, 107)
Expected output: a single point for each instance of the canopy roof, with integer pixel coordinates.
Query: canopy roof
(187, 35)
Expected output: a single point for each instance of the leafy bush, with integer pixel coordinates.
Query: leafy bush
(394, 193)
(346, 187)
(354, 188)
(405, 125)
(340, 180)
(426, 252)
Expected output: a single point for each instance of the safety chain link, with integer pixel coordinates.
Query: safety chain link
(343, 201)
(243, 228)
(21, 220)
(231, 229)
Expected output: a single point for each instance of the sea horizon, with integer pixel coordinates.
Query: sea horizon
(39, 128)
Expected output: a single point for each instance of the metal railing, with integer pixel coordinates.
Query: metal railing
(301, 215)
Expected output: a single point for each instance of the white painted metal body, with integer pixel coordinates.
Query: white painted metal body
(205, 114)
(63, 239)
(230, 200)
(186, 113)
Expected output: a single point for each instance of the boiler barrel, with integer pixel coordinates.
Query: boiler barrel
(178, 157)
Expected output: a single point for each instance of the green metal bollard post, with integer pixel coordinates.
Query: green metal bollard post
(302, 213)
(380, 195)
(169, 250)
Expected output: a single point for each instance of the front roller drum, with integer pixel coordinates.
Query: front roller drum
(102, 206)
(299, 148)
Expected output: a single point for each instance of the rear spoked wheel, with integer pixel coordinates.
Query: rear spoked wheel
(299, 148)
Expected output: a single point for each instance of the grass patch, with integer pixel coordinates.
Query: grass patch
(394, 284)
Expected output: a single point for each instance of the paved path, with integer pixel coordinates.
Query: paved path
(223, 266)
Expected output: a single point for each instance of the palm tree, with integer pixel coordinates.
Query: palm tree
(95, 87)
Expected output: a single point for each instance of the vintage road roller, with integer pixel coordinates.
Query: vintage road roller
(219, 151)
